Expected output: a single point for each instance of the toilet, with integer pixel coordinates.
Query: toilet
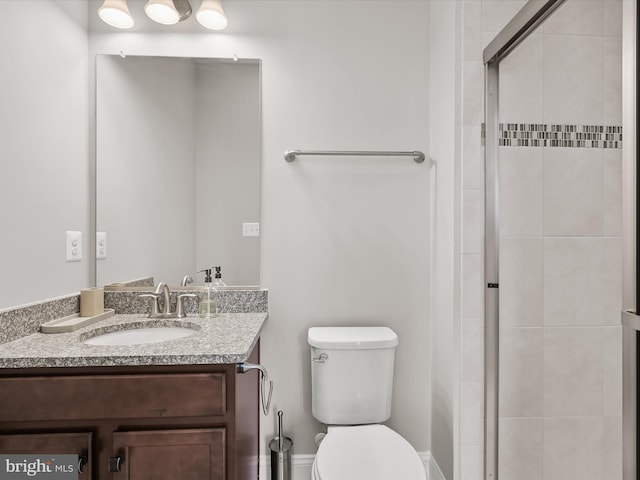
(351, 384)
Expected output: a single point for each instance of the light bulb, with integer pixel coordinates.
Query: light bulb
(211, 15)
(116, 13)
(162, 11)
(168, 12)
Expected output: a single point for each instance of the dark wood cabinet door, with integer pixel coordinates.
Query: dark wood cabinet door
(52, 443)
(186, 454)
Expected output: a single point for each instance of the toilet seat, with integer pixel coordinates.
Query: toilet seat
(366, 452)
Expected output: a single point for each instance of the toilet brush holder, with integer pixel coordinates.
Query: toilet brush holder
(280, 447)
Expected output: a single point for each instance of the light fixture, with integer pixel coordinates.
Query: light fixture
(168, 12)
(116, 13)
(211, 15)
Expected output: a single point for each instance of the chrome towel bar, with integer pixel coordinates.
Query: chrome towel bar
(290, 155)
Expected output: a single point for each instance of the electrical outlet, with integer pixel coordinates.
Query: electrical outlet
(250, 229)
(101, 245)
(74, 246)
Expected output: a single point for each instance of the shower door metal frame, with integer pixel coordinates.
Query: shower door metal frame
(526, 20)
(631, 234)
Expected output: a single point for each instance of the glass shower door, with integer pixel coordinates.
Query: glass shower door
(560, 250)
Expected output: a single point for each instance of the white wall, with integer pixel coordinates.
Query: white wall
(444, 140)
(343, 240)
(44, 185)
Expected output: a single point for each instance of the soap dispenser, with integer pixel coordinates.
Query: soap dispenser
(218, 281)
(207, 305)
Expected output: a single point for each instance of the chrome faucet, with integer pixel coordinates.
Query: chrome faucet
(163, 290)
(186, 280)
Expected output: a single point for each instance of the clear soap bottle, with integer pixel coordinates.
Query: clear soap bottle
(207, 306)
(218, 280)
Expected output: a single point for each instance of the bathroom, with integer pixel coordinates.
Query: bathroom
(356, 241)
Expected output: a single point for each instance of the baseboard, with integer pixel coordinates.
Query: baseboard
(301, 467)
(431, 466)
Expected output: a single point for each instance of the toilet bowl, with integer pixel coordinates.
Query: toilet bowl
(351, 386)
(366, 452)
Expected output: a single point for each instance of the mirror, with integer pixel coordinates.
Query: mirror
(177, 168)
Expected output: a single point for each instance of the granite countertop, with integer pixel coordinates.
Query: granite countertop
(227, 338)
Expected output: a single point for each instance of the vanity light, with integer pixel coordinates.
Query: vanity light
(211, 15)
(168, 12)
(116, 13)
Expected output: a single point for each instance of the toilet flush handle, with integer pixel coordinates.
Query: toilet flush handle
(322, 358)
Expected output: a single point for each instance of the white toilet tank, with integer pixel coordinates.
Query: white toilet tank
(351, 374)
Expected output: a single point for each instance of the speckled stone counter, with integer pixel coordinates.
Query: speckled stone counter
(20, 321)
(230, 300)
(227, 338)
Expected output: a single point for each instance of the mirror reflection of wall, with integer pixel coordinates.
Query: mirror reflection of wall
(178, 168)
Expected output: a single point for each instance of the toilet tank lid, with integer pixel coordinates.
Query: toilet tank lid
(347, 338)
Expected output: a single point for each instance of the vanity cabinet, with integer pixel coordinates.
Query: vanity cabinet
(189, 454)
(52, 443)
(192, 422)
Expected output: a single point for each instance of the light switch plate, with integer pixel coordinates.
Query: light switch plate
(74, 246)
(101, 245)
(250, 229)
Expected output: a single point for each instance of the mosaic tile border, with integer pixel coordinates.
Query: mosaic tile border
(558, 135)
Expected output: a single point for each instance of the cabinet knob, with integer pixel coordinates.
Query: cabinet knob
(82, 461)
(115, 463)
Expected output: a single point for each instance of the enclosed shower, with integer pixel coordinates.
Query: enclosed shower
(553, 243)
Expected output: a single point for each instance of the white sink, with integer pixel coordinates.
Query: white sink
(140, 335)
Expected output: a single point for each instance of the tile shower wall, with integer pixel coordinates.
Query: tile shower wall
(560, 259)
